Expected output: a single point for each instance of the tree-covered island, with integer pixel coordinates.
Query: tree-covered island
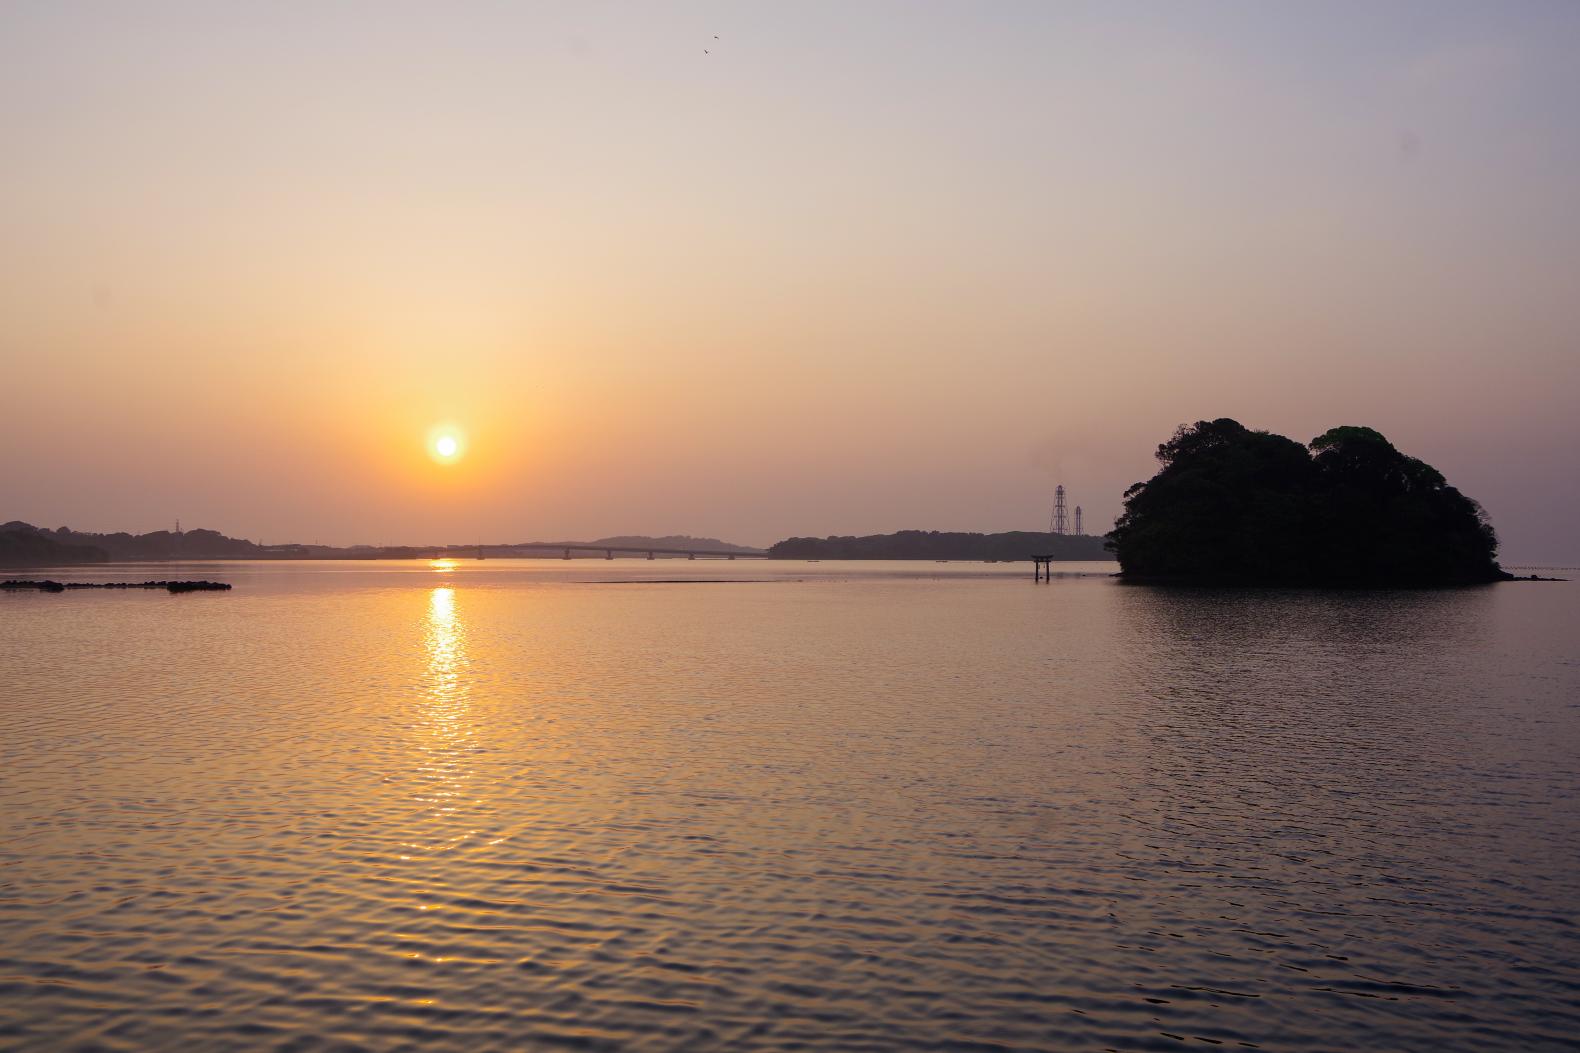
(1240, 507)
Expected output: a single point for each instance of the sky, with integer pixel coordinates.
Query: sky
(752, 271)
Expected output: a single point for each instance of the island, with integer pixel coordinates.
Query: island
(1233, 506)
(934, 544)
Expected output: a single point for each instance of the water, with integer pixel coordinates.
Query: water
(532, 805)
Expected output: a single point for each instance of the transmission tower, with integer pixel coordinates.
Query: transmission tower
(1060, 523)
(1078, 529)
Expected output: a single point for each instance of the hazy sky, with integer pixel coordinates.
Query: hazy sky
(863, 267)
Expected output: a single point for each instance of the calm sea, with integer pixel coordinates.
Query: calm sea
(535, 805)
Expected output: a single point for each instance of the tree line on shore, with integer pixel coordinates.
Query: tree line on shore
(934, 544)
(33, 548)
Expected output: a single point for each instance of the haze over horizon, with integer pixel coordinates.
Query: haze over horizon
(854, 269)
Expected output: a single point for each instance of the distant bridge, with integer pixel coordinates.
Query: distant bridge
(609, 550)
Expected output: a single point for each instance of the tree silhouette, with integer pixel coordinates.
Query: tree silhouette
(1232, 505)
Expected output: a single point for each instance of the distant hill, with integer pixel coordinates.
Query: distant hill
(933, 544)
(158, 545)
(672, 541)
(32, 548)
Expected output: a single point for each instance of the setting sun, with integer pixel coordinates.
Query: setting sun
(445, 445)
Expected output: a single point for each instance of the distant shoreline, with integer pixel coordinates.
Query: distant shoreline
(24, 545)
(1013, 546)
(546, 557)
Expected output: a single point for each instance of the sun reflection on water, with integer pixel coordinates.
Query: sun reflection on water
(443, 725)
(446, 643)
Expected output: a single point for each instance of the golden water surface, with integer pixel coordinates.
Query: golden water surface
(519, 805)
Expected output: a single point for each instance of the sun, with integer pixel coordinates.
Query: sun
(446, 444)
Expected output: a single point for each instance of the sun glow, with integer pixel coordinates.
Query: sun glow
(446, 445)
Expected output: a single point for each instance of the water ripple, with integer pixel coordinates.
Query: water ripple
(499, 811)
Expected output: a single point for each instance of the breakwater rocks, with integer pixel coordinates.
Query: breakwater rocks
(62, 586)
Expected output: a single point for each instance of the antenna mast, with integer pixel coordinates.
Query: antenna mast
(1060, 524)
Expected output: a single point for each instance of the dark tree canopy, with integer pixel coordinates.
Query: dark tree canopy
(31, 548)
(1233, 505)
(931, 544)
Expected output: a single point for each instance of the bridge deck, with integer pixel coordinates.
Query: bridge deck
(549, 546)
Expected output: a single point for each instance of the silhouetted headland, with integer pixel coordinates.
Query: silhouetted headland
(1232, 506)
(932, 544)
(28, 547)
(48, 585)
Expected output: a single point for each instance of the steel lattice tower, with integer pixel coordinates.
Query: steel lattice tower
(1060, 523)
(1078, 529)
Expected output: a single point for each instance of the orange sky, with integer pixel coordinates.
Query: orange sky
(857, 269)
